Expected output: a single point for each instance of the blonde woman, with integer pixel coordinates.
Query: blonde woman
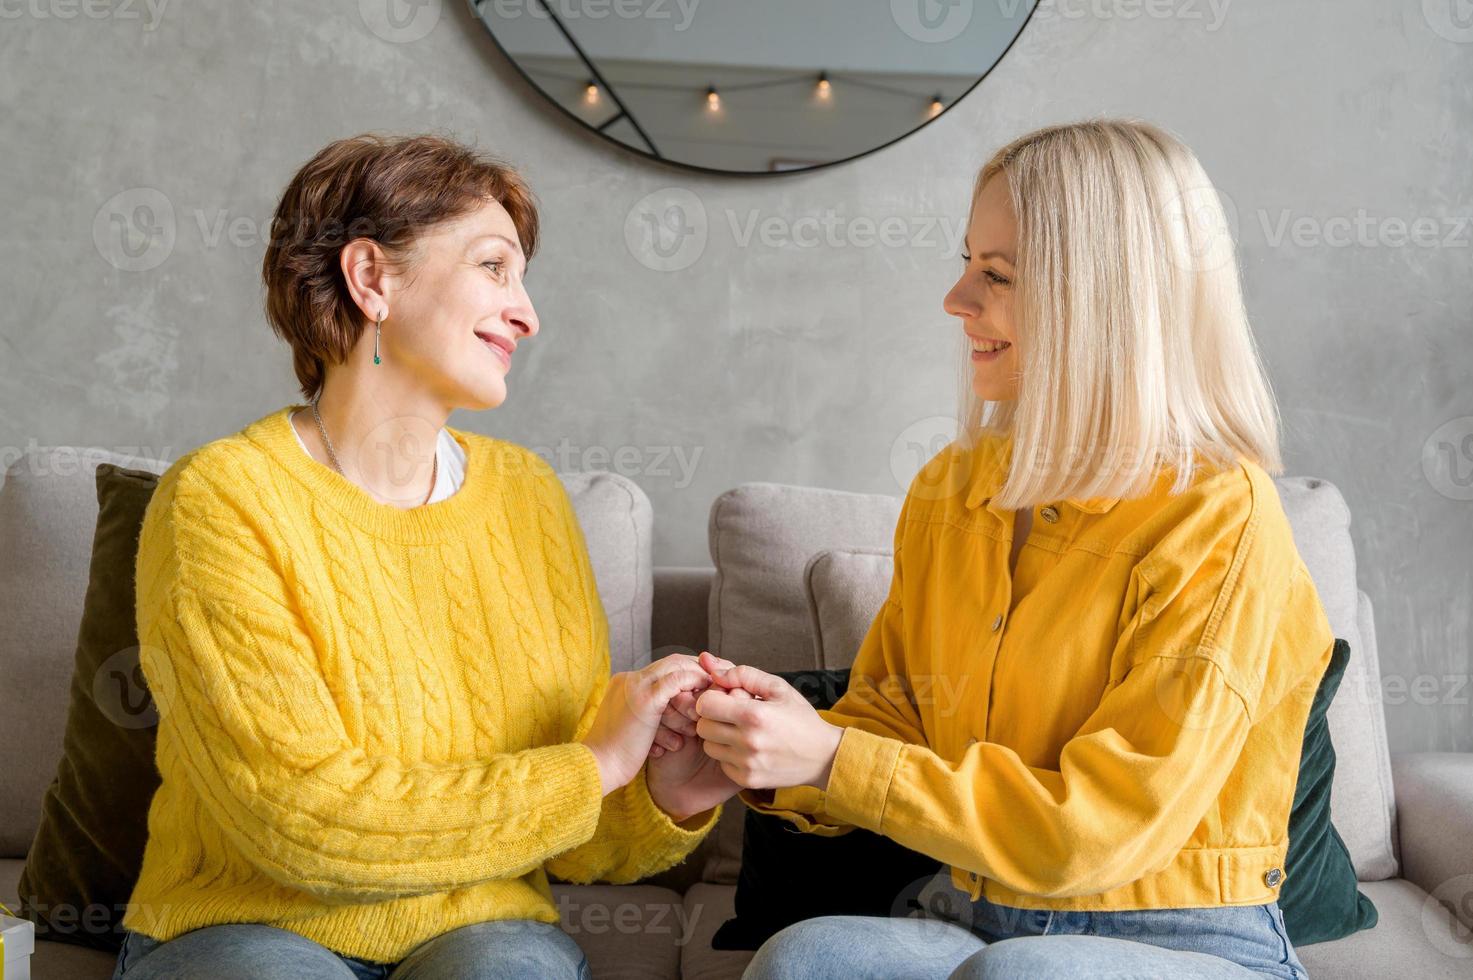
(1100, 577)
(375, 641)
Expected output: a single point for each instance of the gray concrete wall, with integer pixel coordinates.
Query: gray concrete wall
(1335, 127)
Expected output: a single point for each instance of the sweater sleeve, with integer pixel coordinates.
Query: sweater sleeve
(252, 720)
(1143, 769)
(634, 837)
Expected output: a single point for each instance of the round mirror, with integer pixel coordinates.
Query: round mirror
(754, 86)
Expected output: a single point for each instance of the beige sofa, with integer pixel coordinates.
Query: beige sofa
(797, 573)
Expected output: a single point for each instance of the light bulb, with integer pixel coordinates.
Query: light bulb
(936, 106)
(713, 101)
(590, 94)
(824, 88)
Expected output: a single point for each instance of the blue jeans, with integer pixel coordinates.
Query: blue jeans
(512, 948)
(964, 940)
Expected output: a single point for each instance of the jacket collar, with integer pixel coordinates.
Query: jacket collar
(991, 459)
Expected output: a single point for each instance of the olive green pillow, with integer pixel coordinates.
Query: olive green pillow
(84, 861)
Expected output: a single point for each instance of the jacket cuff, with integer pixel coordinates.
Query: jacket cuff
(859, 782)
(799, 805)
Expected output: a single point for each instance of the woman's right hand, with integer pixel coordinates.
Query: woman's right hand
(629, 715)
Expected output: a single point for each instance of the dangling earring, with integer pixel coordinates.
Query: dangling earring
(376, 331)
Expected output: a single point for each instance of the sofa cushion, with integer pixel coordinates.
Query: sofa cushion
(707, 906)
(628, 932)
(618, 528)
(53, 959)
(89, 846)
(761, 537)
(845, 589)
(1364, 802)
(48, 512)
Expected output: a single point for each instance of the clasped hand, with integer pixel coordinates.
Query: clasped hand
(759, 730)
(708, 729)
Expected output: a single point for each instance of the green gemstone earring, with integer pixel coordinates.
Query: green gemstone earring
(376, 330)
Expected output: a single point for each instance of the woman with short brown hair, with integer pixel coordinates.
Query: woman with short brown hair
(376, 643)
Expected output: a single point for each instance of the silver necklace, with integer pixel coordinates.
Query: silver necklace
(332, 454)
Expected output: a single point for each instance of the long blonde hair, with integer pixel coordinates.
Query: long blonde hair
(1134, 345)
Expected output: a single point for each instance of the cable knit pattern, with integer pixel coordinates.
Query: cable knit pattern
(369, 717)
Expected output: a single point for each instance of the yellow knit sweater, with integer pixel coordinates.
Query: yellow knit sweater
(369, 717)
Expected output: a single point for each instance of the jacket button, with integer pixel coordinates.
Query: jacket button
(1272, 877)
(997, 623)
(1049, 514)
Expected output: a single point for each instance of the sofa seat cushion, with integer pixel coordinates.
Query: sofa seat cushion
(52, 959)
(628, 932)
(1414, 937)
(707, 906)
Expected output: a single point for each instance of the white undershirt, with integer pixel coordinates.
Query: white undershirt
(450, 469)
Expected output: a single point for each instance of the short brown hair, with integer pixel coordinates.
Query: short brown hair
(389, 189)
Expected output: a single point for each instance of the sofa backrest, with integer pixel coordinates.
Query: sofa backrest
(48, 513)
(766, 541)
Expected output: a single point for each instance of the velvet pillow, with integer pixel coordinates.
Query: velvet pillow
(84, 860)
(1320, 898)
(787, 876)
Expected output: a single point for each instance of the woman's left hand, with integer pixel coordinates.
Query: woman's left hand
(686, 781)
(762, 731)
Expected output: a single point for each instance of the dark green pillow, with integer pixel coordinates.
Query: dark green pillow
(85, 858)
(1320, 897)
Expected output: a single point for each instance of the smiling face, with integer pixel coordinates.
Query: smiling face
(983, 296)
(459, 308)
